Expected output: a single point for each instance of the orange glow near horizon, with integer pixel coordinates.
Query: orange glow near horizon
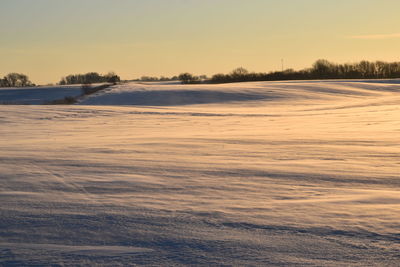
(50, 39)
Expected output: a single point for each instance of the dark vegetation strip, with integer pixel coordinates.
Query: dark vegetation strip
(87, 89)
(320, 70)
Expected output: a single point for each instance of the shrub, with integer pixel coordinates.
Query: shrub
(87, 89)
(187, 78)
(68, 100)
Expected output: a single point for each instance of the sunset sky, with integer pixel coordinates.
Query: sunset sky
(48, 39)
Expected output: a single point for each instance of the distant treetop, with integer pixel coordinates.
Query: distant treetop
(15, 80)
(91, 77)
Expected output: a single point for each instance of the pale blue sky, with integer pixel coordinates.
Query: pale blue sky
(48, 39)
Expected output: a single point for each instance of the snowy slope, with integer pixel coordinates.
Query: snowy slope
(238, 95)
(38, 95)
(268, 173)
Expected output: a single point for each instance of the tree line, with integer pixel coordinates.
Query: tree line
(321, 69)
(169, 79)
(15, 80)
(157, 79)
(22, 80)
(91, 77)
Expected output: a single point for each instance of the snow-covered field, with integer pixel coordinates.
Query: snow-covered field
(38, 95)
(268, 173)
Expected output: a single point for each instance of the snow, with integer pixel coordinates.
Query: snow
(38, 95)
(264, 173)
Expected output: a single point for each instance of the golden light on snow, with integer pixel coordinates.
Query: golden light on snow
(135, 38)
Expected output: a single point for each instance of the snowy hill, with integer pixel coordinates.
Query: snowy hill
(248, 174)
(238, 94)
(37, 95)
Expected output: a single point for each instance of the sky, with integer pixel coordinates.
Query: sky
(49, 39)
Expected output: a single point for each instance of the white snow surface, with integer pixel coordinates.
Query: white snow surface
(248, 174)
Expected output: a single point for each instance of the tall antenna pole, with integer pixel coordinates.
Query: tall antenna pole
(282, 64)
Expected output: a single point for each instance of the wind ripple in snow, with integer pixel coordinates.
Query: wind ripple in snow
(274, 173)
